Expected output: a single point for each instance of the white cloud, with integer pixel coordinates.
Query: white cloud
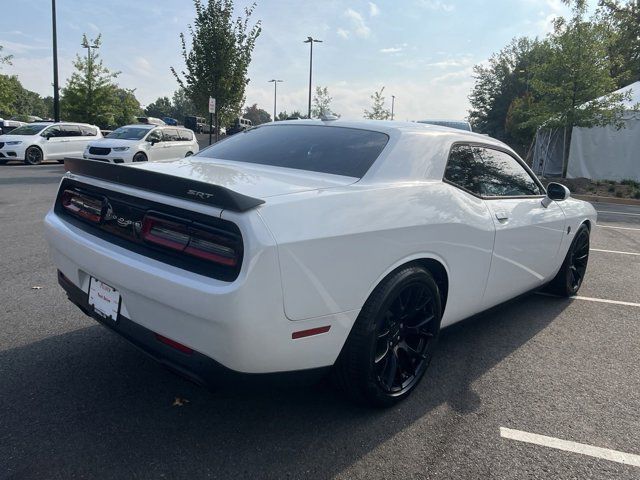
(374, 10)
(142, 67)
(93, 27)
(360, 28)
(341, 32)
(391, 50)
(437, 5)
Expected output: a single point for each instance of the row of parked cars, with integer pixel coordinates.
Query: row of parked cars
(34, 143)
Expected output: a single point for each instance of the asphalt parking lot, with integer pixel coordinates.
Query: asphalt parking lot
(76, 401)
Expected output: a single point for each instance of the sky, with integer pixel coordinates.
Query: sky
(421, 51)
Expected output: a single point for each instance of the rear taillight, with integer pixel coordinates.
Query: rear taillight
(82, 205)
(190, 240)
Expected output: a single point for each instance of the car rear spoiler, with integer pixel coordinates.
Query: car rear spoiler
(179, 187)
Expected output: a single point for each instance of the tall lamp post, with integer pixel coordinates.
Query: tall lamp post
(275, 95)
(85, 44)
(393, 104)
(310, 41)
(56, 93)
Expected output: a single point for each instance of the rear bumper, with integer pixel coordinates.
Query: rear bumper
(240, 325)
(192, 365)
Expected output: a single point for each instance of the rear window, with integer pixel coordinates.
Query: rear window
(335, 150)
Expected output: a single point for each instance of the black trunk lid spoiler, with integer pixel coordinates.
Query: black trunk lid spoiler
(178, 187)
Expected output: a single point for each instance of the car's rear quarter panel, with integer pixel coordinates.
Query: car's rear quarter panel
(336, 245)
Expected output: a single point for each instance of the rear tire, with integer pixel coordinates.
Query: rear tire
(3, 162)
(569, 279)
(393, 339)
(33, 156)
(188, 154)
(140, 157)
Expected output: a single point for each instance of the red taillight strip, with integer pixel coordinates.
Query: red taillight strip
(310, 332)
(82, 205)
(172, 343)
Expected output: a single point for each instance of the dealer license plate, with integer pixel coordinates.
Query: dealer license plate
(104, 299)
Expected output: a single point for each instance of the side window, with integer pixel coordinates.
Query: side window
(154, 136)
(88, 131)
(170, 135)
(70, 131)
(502, 175)
(464, 169)
(186, 135)
(52, 132)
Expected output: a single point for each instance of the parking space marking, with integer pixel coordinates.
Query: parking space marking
(613, 251)
(619, 213)
(574, 447)
(592, 299)
(618, 228)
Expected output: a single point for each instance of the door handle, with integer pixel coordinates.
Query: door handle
(502, 215)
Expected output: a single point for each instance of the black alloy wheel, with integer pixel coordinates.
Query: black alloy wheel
(405, 338)
(33, 156)
(393, 339)
(571, 274)
(139, 157)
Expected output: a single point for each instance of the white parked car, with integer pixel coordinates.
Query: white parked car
(309, 245)
(141, 143)
(36, 142)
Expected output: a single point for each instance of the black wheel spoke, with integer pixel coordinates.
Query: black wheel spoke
(390, 370)
(423, 323)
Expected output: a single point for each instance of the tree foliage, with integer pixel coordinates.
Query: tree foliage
(294, 114)
(561, 81)
(378, 110)
(15, 100)
(218, 57)
(181, 105)
(321, 104)
(623, 23)
(162, 107)
(256, 115)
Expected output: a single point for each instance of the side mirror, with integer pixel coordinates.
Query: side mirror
(557, 192)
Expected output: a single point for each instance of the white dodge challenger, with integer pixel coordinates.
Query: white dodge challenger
(302, 246)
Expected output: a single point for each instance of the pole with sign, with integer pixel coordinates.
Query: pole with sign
(212, 110)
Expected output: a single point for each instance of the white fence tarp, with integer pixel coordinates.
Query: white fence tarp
(604, 153)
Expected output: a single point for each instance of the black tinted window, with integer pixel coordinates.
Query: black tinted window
(70, 131)
(327, 149)
(464, 169)
(170, 135)
(503, 176)
(52, 132)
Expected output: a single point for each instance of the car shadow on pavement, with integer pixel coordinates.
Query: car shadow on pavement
(87, 404)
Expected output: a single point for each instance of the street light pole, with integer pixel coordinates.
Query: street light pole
(310, 41)
(56, 93)
(275, 95)
(85, 44)
(393, 104)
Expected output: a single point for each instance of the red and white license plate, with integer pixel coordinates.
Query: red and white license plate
(104, 298)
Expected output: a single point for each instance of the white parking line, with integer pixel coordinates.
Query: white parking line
(618, 213)
(618, 228)
(613, 251)
(574, 447)
(592, 299)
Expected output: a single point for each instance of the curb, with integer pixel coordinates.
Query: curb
(598, 199)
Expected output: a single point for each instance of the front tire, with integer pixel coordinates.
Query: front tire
(569, 279)
(393, 339)
(33, 156)
(139, 157)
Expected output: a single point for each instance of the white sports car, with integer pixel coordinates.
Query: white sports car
(308, 245)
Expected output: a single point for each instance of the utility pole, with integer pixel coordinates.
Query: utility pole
(310, 41)
(56, 93)
(85, 44)
(275, 95)
(393, 104)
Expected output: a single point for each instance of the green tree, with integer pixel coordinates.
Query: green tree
(284, 115)
(256, 115)
(321, 103)
(567, 86)
(126, 106)
(182, 105)
(160, 108)
(218, 57)
(5, 59)
(623, 22)
(90, 93)
(378, 110)
(502, 85)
